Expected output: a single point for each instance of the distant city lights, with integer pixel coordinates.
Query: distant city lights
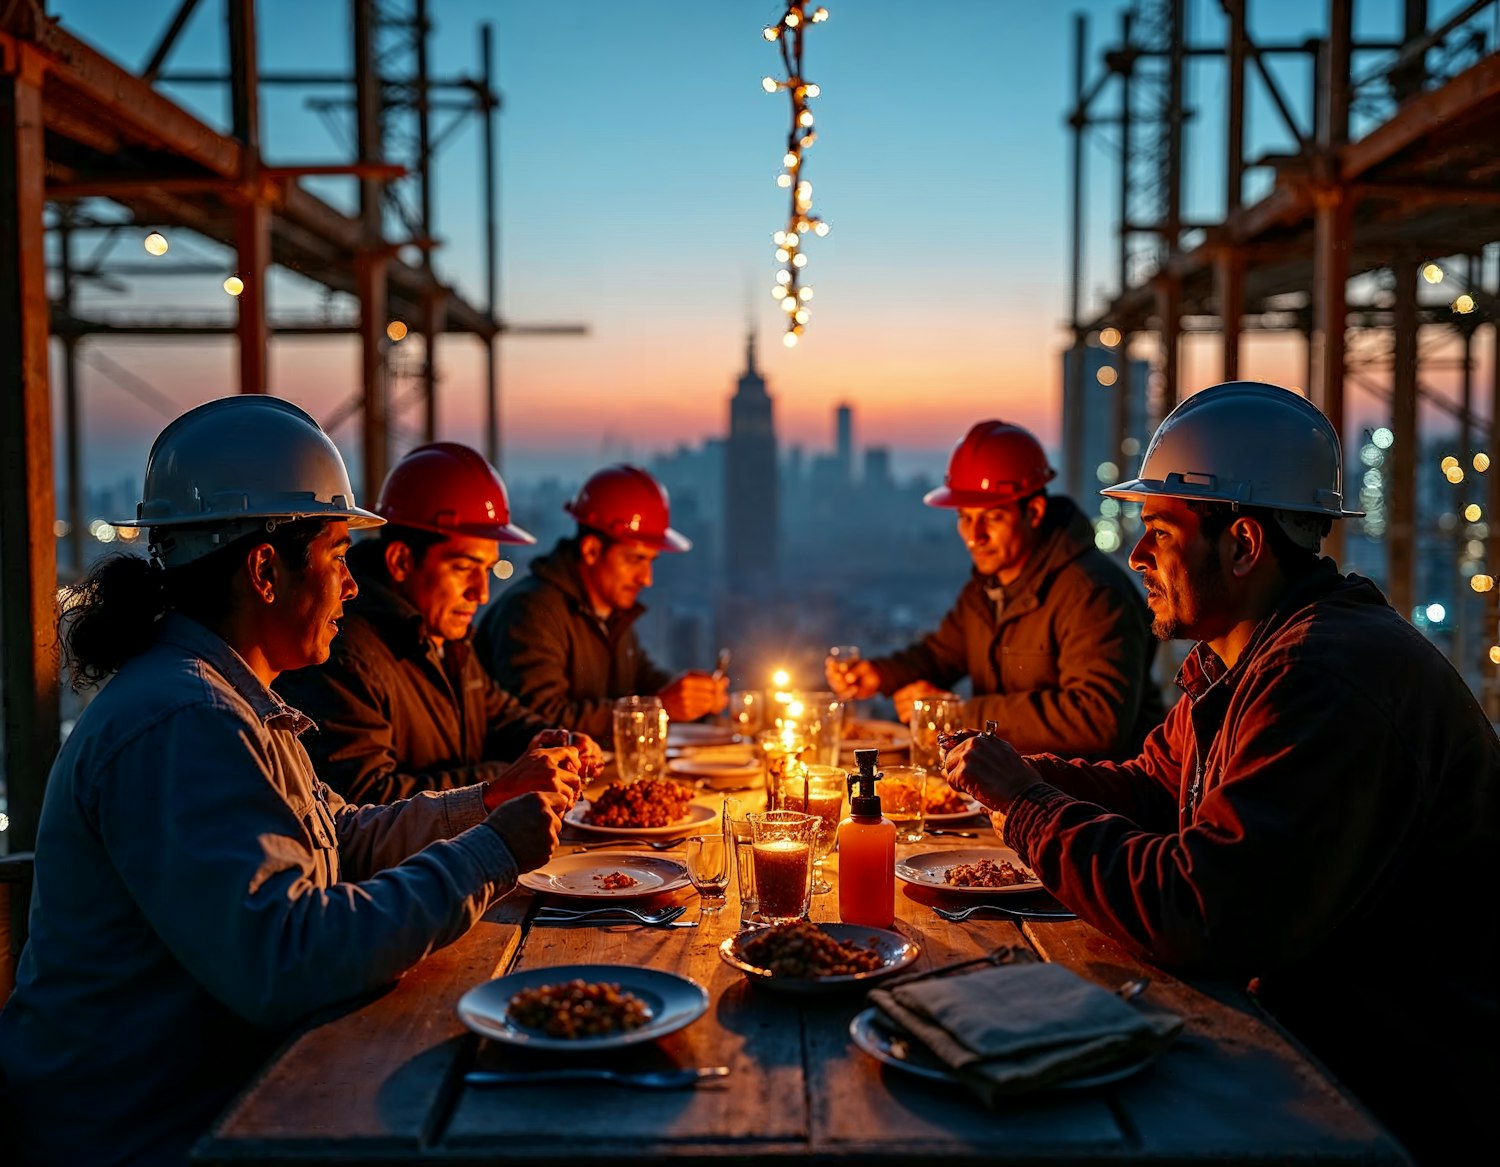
(155, 243)
(1432, 273)
(234, 285)
(1383, 438)
(504, 569)
(1435, 613)
(1481, 462)
(1109, 337)
(1107, 376)
(1464, 304)
(787, 34)
(395, 331)
(1473, 512)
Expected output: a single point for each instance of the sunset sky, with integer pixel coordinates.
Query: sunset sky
(639, 157)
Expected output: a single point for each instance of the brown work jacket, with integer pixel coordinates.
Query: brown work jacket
(1321, 821)
(1065, 666)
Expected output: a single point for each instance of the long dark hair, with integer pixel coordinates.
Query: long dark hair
(110, 615)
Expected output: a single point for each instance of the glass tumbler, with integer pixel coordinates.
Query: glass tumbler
(640, 738)
(903, 800)
(783, 849)
(739, 838)
(708, 868)
(931, 715)
(818, 790)
(823, 725)
(746, 713)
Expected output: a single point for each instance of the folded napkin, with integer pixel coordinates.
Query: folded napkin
(1023, 1027)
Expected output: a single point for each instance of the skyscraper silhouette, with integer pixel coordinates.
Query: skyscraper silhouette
(750, 487)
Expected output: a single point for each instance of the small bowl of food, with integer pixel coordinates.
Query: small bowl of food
(802, 957)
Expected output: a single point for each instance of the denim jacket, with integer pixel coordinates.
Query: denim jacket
(198, 892)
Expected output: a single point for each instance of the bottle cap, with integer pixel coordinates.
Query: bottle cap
(863, 801)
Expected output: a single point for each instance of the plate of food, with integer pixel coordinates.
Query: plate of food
(885, 736)
(874, 1033)
(972, 871)
(651, 808)
(726, 769)
(607, 875)
(582, 1006)
(681, 734)
(946, 805)
(801, 957)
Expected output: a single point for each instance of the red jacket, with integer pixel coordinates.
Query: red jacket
(1320, 820)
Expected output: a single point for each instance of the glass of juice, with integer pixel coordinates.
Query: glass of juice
(784, 844)
(818, 790)
(903, 800)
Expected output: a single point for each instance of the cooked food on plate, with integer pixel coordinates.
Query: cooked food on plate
(578, 1008)
(651, 802)
(802, 949)
(945, 800)
(987, 873)
(615, 880)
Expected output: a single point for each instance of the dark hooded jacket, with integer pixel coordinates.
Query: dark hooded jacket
(1304, 820)
(542, 641)
(394, 716)
(1063, 662)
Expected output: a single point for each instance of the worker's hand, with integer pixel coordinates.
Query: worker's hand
(852, 682)
(904, 696)
(528, 825)
(555, 770)
(989, 769)
(590, 755)
(695, 694)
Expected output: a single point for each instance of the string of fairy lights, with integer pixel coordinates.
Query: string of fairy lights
(790, 292)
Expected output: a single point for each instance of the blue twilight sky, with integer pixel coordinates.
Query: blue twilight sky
(638, 165)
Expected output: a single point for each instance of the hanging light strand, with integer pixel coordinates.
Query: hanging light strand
(790, 290)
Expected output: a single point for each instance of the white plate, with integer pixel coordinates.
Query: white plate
(885, 736)
(690, 733)
(870, 1033)
(578, 875)
(927, 868)
(697, 815)
(896, 952)
(691, 767)
(673, 1001)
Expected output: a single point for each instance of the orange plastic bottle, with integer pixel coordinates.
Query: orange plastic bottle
(867, 852)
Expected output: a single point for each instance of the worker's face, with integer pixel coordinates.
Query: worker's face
(311, 600)
(1000, 538)
(1184, 575)
(615, 574)
(448, 584)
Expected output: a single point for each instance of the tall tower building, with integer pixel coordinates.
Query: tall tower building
(750, 486)
(844, 441)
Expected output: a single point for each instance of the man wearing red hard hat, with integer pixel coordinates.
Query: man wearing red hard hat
(564, 640)
(403, 704)
(1052, 634)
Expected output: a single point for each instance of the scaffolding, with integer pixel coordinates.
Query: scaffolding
(1390, 161)
(79, 131)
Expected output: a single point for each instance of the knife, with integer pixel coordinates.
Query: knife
(643, 1080)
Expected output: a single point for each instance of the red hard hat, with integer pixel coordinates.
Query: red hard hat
(628, 505)
(996, 463)
(449, 488)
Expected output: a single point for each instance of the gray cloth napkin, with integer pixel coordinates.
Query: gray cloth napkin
(1023, 1027)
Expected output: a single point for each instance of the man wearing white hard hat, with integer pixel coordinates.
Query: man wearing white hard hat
(199, 891)
(1326, 779)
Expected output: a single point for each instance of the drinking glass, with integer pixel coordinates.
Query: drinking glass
(781, 751)
(931, 715)
(818, 790)
(903, 800)
(822, 722)
(740, 839)
(746, 713)
(640, 738)
(708, 868)
(839, 658)
(783, 849)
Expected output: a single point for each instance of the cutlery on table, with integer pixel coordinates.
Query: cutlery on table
(641, 1080)
(654, 844)
(567, 915)
(958, 915)
(1004, 954)
(955, 834)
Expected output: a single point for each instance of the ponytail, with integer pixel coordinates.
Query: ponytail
(109, 616)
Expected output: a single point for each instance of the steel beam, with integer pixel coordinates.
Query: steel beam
(1401, 474)
(252, 215)
(1229, 290)
(28, 544)
(1072, 401)
(1169, 329)
(433, 309)
(1491, 643)
(491, 244)
(1332, 227)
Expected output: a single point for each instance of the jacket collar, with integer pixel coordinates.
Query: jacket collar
(184, 633)
(562, 568)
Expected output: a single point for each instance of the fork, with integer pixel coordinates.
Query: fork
(958, 915)
(654, 844)
(564, 915)
(644, 1079)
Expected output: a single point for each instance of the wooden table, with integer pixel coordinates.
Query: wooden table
(382, 1081)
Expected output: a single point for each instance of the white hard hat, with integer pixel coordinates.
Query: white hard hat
(1249, 444)
(236, 465)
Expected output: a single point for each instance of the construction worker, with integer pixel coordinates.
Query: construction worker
(1326, 779)
(564, 639)
(1053, 636)
(198, 890)
(402, 704)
